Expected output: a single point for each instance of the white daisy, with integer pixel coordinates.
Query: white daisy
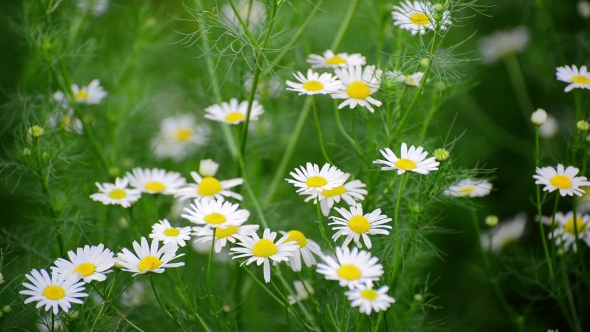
(412, 160)
(469, 188)
(98, 7)
(550, 128)
(306, 250)
(208, 187)
(148, 259)
(502, 43)
(357, 86)
(117, 193)
(411, 80)
(67, 121)
(369, 299)
(340, 60)
(91, 94)
(355, 224)
(55, 292)
(351, 268)
(350, 192)
(215, 213)
(503, 234)
(583, 8)
(301, 291)
(223, 234)
(314, 83)
(418, 17)
(178, 137)
(561, 178)
(233, 112)
(163, 231)
(252, 13)
(311, 178)
(156, 181)
(88, 263)
(564, 232)
(263, 250)
(577, 78)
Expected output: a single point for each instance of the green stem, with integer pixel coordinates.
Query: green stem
(570, 300)
(344, 133)
(162, 305)
(208, 282)
(102, 296)
(552, 227)
(433, 109)
(104, 302)
(344, 26)
(320, 135)
(539, 204)
(519, 85)
(322, 229)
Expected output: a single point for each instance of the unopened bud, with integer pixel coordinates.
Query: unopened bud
(539, 117)
(35, 131)
(1, 279)
(441, 154)
(583, 125)
(114, 171)
(207, 167)
(26, 152)
(424, 62)
(7, 309)
(418, 297)
(491, 220)
(438, 7)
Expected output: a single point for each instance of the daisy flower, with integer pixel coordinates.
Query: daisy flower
(411, 80)
(208, 187)
(306, 250)
(233, 112)
(583, 8)
(178, 137)
(223, 234)
(469, 188)
(355, 224)
(340, 60)
(418, 17)
(91, 94)
(301, 290)
(550, 128)
(561, 178)
(352, 268)
(503, 234)
(565, 229)
(350, 192)
(67, 121)
(412, 160)
(54, 292)
(215, 213)
(357, 86)
(156, 181)
(252, 12)
(117, 193)
(148, 259)
(312, 178)
(314, 83)
(88, 263)
(163, 231)
(263, 250)
(576, 78)
(502, 43)
(369, 299)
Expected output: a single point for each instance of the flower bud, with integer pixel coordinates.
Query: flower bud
(539, 117)
(439, 7)
(35, 131)
(424, 62)
(114, 171)
(441, 154)
(418, 297)
(583, 125)
(7, 309)
(208, 167)
(26, 152)
(491, 220)
(1, 279)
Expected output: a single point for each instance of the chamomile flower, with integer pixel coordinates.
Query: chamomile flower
(350, 192)
(469, 188)
(163, 231)
(411, 160)
(355, 224)
(178, 137)
(502, 43)
(54, 292)
(418, 17)
(233, 112)
(503, 234)
(565, 229)
(369, 299)
(223, 234)
(314, 83)
(357, 86)
(252, 12)
(156, 181)
(306, 250)
(215, 213)
(117, 193)
(577, 78)
(67, 121)
(263, 250)
(301, 291)
(550, 128)
(88, 263)
(91, 94)
(352, 268)
(98, 7)
(312, 178)
(564, 179)
(209, 187)
(148, 259)
(411, 80)
(340, 60)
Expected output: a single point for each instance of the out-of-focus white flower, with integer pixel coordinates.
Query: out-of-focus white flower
(550, 128)
(98, 7)
(583, 9)
(178, 137)
(502, 43)
(503, 234)
(252, 13)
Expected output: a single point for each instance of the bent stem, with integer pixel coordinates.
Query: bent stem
(320, 135)
(344, 133)
(162, 305)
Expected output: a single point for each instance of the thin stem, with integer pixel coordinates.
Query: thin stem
(397, 258)
(433, 109)
(344, 133)
(102, 296)
(519, 85)
(322, 230)
(570, 301)
(162, 305)
(345, 22)
(552, 227)
(104, 302)
(539, 204)
(208, 281)
(321, 137)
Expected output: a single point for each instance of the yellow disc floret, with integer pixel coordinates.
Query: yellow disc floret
(234, 117)
(221, 233)
(316, 182)
(117, 194)
(349, 272)
(337, 191)
(155, 186)
(359, 224)
(298, 237)
(209, 186)
(335, 60)
(171, 232)
(419, 19)
(561, 181)
(466, 190)
(149, 263)
(54, 292)
(571, 228)
(405, 164)
(264, 248)
(369, 294)
(358, 90)
(215, 218)
(85, 269)
(183, 134)
(81, 95)
(313, 86)
(581, 80)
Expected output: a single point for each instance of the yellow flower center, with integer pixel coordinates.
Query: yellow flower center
(358, 90)
(149, 263)
(264, 248)
(334, 192)
(234, 117)
(221, 233)
(581, 80)
(182, 134)
(466, 190)
(419, 19)
(209, 186)
(369, 294)
(171, 232)
(117, 194)
(85, 269)
(298, 237)
(313, 86)
(316, 182)
(155, 186)
(359, 224)
(215, 218)
(54, 292)
(335, 60)
(571, 228)
(405, 164)
(561, 181)
(349, 272)
(81, 95)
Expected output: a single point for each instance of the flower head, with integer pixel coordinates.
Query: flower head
(410, 80)
(577, 78)
(441, 154)
(340, 60)
(223, 234)
(314, 83)
(117, 193)
(354, 225)
(88, 263)
(91, 94)
(163, 231)
(566, 228)
(352, 268)
(306, 250)
(419, 17)
(209, 187)
(503, 43)
(311, 178)
(178, 137)
(539, 117)
(233, 112)
(350, 192)
(301, 291)
(411, 160)
(357, 86)
(155, 181)
(54, 292)
(369, 299)
(148, 259)
(215, 213)
(550, 128)
(469, 188)
(67, 121)
(564, 179)
(503, 234)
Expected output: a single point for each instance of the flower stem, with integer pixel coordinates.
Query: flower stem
(104, 302)
(344, 133)
(344, 26)
(208, 281)
(539, 204)
(162, 305)
(322, 230)
(102, 296)
(321, 137)
(519, 85)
